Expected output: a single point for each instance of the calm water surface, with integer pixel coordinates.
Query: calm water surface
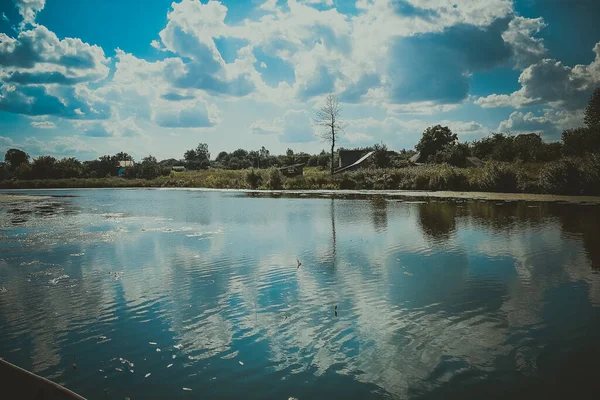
(154, 291)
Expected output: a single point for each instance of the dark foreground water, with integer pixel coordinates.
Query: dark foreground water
(194, 294)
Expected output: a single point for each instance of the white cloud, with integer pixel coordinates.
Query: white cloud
(114, 127)
(29, 9)
(551, 123)
(526, 48)
(263, 65)
(43, 124)
(37, 56)
(550, 82)
(156, 44)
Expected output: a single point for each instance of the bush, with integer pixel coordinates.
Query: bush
(254, 179)
(495, 177)
(275, 182)
(561, 177)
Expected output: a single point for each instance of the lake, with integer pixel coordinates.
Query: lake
(198, 294)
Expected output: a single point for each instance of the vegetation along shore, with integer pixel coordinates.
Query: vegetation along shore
(503, 163)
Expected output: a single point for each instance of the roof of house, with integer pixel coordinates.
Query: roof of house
(363, 158)
(127, 163)
(293, 166)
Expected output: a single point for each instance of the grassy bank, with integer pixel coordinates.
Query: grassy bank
(566, 176)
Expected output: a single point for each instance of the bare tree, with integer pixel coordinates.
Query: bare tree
(328, 117)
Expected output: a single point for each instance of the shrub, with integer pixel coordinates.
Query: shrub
(495, 177)
(561, 177)
(347, 183)
(275, 182)
(254, 179)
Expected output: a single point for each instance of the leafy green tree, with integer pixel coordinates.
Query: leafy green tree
(289, 156)
(453, 154)
(198, 158)
(435, 139)
(69, 168)
(121, 156)
(579, 141)
(44, 167)
(381, 157)
(15, 157)
(592, 112)
(527, 146)
(149, 168)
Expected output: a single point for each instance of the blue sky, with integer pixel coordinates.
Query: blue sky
(85, 78)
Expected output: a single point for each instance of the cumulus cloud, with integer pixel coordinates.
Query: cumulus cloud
(526, 48)
(43, 124)
(551, 122)
(29, 9)
(552, 83)
(520, 122)
(37, 56)
(68, 102)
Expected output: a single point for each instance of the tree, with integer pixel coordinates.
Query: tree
(435, 139)
(149, 168)
(69, 168)
(43, 167)
(121, 156)
(198, 158)
(328, 117)
(289, 154)
(15, 157)
(381, 157)
(592, 112)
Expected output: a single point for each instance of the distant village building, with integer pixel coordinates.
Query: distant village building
(123, 165)
(350, 155)
(418, 158)
(178, 168)
(474, 162)
(126, 164)
(292, 170)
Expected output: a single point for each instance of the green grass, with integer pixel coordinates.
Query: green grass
(493, 177)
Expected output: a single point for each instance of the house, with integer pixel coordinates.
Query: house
(418, 158)
(292, 170)
(123, 165)
(355, 164)
(178, 168)
(349, 157)
(126, 164)
(474, 162)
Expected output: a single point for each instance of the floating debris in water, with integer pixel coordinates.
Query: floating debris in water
(153, 343)
(76, 254)
(299, 263)
(3, 289)
(187, 389)
(74, 365)
(335, 310)
(241, 363)
(148, 374)
(178, 346)
(131, 371)
(56, 280)
(407, 273)
(119, 369)
(174, 356)
(100, 370)
(157, 350)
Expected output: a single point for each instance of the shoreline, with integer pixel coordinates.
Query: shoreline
(399, 195)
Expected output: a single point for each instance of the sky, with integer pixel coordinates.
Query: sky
(85, 78)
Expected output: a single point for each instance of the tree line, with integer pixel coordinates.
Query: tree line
(438, 145)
